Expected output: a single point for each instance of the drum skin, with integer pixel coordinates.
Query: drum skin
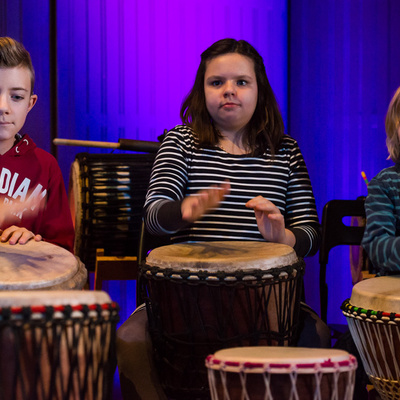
(39, 266)
(276, 373)
(57, 345)
(202, 297)
(106, 196)
(373, 315)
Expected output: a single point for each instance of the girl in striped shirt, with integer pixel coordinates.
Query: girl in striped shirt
(230, 172)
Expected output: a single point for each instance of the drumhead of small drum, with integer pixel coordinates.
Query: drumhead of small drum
(379, 294)
(280, 359)
(38, 265)
(222, 255)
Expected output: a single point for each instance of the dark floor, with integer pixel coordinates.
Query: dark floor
(117, 390)
(123, 293)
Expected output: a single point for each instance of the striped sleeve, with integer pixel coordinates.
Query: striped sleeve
(168, 179)
(381, 238)
(181, 169)
(301, 215)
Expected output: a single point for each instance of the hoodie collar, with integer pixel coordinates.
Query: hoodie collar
(22, 145)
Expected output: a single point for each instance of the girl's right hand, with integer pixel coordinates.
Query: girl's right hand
(15, 234)
(193, 207)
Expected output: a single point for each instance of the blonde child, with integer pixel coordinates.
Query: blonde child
(382, 206)
(33, 201)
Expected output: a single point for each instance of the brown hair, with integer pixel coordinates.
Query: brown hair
(13, 54)
(266, 125)
(392, 125)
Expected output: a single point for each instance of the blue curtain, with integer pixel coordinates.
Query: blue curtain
(343, 70)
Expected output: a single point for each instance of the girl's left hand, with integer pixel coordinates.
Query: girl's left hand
(270, 221)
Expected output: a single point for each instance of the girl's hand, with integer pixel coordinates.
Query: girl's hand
(15, 234)
(270, 221)
(193, 207)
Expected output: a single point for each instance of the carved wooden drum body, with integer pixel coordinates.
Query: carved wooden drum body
(373, 315)
(39, 266)
(202, 297)
(281, 373)
(106, 194)
(57, 345)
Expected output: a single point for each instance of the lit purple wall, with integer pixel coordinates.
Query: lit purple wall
(343, 69)
(125, 66)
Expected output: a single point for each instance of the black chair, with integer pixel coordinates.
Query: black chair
(334, 233)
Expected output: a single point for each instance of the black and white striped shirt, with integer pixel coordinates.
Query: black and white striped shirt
(181, 168)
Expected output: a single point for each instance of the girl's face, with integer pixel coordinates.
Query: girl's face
(230, 87)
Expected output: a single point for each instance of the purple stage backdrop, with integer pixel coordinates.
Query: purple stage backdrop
(124, 66)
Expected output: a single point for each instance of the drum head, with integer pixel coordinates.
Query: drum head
(379, 294)
(35, 265)
(224, 255)
(279, 359)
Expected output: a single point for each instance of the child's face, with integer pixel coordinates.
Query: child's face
(16, 101)
(230, 86)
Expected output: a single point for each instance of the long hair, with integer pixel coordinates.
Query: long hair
(265, 127)
(392, 125)
(13, 54)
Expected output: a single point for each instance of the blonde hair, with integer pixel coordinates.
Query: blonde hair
(392, 125)
(13, 54)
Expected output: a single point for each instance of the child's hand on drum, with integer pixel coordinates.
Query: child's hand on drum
(270, 221)
(15, 234)
(194, 206)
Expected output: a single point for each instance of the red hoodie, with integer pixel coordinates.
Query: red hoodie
(27, 171)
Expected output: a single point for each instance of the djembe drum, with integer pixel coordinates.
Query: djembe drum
(202, 297)
(281, 373)
(57, 345)
(39, 266)
(106, 194)
(373, 315)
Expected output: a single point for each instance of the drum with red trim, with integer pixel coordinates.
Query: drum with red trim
(57, 345)
(281, 373)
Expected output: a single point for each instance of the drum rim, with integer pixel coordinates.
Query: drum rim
(185, 275)
(352, 311)
(48, 311)
(214, 363)
(191, 256)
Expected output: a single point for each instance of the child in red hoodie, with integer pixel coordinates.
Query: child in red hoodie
(33, 200)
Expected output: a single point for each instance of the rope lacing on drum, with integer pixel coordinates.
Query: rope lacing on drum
(47, 333)
(291, 370)
(377, 337)
(220, 276)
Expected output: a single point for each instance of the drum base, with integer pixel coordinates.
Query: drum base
(387, 389)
